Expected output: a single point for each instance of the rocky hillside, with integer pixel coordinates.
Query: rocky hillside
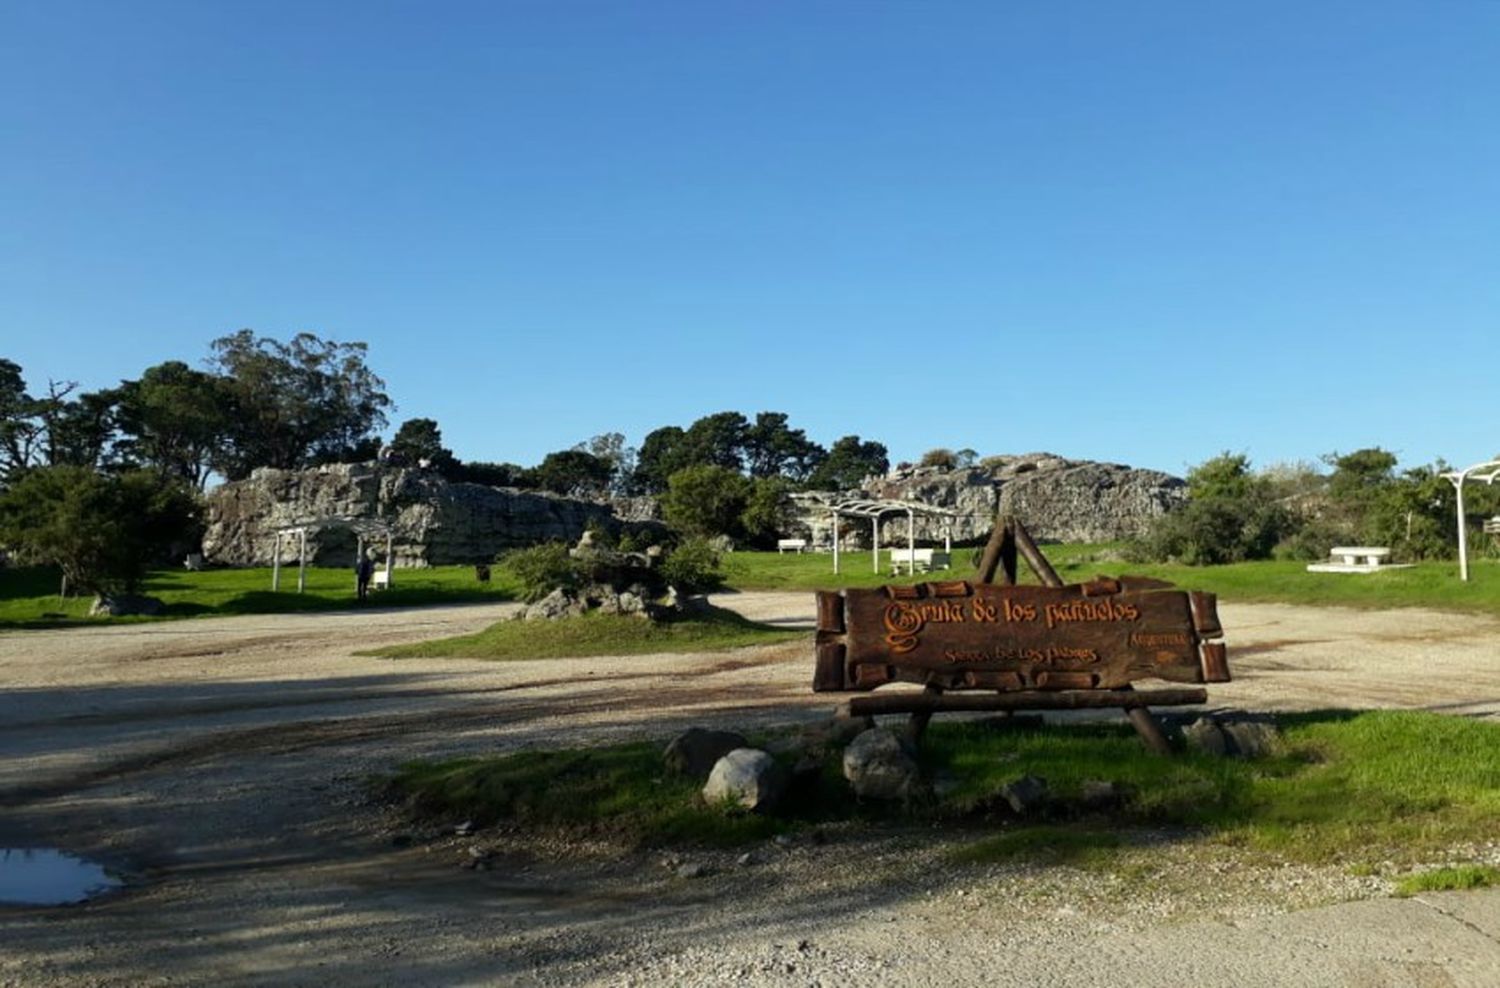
(434, 522)
(1057, 499)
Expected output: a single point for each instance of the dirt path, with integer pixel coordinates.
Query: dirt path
(220, 764)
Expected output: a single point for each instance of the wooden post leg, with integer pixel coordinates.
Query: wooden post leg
(917, 725)
(1149, 729)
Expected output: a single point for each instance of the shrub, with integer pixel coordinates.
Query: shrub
(1232, 515)
(541, 569)
(769, 511)
(693, 567)
(706, 500)
(942, 458)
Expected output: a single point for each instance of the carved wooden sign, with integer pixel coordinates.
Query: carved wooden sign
(958, 635)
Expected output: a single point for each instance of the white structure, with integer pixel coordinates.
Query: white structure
(1482, 473)
(873, 509)
(1356, 559)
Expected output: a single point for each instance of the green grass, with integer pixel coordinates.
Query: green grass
(598, 634)
(1455, 879)
(1347, 788)
(28, 596)
(1435, 584)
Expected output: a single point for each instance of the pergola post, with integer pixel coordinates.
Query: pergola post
(911, 540)
(389, 553)
(835, 540)
(875, 537)
(301, 560)
(276, 565)
(1463, 533)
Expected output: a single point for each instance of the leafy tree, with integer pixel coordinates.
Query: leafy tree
(174, 420)
(706, 500)
(849, 462)
(610, 447)
(420, 440)
(769, 510)
(774, 449)
(717, 440)
(663, 453)
(572, 471)
(20, 432)
(296, 404)
(103, 531)
(1231, 516)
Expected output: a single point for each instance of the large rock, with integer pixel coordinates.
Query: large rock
(1058, 500)
(433, 522)
(126, 605)
(695, 751)
(746, 777)
(878, 766)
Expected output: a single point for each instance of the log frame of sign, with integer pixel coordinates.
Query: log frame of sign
(1046, 647)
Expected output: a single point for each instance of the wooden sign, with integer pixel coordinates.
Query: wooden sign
(1046, 647)
(958, 635)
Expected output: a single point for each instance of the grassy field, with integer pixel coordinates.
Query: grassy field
(28, 596)
(599, 634)
(1434, 585)
(1352, 789)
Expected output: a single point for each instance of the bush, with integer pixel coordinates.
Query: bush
(706, 500)
(693, 567)
(942, 458)
(541, 569)
(1232, 515)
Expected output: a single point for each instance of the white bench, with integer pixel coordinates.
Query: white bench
(1356, 559)
(1492, 525)
(380, 580)
(912, 560)
(794, 545)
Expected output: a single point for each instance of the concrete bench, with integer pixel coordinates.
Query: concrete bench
(380, 580)
(912, 560)
(792, 545)
(1356, 559)
(1492, 525)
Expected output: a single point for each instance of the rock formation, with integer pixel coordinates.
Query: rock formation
(433, 522)
(1057, 499)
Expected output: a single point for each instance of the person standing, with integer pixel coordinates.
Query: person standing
(363, 570)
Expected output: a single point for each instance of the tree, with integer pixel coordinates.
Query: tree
(103, 531)
(769, 510)
(706, 500)
(496, 475)
(773, 449)
(610, 447)
(175, 420)
(849, 462)
(663, 453)
(572, 471)
(421, 441)
(296, 404)
(717, 440)
(20, 433)
(1231, 515)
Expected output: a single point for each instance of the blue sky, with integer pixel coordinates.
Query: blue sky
(1135, 231)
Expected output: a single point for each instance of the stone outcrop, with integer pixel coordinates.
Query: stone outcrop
(433, 522)
(1057, 499)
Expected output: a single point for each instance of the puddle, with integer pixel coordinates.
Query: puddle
(39, 876)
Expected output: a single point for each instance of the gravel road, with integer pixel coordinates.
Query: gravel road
(219, 764)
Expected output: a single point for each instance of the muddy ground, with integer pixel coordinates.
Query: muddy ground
(221, 765)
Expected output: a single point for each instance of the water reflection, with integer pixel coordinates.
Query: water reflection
(39, 876)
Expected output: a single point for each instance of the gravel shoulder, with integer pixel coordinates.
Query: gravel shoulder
(220, 764)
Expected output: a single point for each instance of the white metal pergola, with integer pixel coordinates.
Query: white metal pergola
(874, 509)
(1480, 473)
(365, 530)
